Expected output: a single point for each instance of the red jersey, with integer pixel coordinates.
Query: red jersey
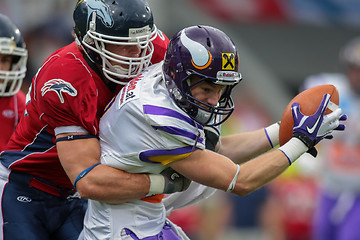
(11, 109)
(66, 91)
(160, 45)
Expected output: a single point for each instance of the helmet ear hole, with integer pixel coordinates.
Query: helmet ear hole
(208, 42)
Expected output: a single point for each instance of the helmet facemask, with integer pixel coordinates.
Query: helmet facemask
(115, 67)
(204, 113)
(11, 80)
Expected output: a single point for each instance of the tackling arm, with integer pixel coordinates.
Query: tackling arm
(102, 183)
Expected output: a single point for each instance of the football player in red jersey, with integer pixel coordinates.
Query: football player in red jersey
(53, 157)
(13, 57)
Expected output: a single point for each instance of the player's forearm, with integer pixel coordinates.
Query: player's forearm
(217, 171)
(102, 183)
(112, 185)
(206, 167)
(244, 146)
(259, 171)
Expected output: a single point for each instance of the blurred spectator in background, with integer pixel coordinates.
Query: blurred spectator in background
(337, 215)
(289, 209)
(207, 220)
(13, 58)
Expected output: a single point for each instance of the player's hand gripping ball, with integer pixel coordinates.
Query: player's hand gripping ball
(309, 101)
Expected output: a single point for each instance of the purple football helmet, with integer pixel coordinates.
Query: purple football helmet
(210, 54)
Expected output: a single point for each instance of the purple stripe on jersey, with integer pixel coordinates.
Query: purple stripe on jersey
(156, 110)
(180, 132)
(144, 156)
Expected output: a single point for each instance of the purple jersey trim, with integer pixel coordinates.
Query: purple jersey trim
(155, 110)
(144, 156)
(180, 132)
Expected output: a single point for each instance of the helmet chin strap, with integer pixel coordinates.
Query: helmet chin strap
(121, 69)
(203, 116)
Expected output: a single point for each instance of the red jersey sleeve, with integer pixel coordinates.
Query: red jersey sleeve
(66, 94)
(160, 45)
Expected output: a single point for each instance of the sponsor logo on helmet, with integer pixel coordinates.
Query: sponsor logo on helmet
(228, 61)
(102, 11)
(228, 77)
(7, 46)
(59, 86)
(200, 56)
(227, 74)
(136, 32)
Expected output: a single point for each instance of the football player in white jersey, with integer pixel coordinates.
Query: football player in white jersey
(162, 113)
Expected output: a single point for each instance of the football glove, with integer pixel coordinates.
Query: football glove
(168, 181)
(306, 128)
(312, 129)
(212, 135)
(174, 181)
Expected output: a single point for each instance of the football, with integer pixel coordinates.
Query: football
(309, 101)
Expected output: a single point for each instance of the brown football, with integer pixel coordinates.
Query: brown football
(309, 101)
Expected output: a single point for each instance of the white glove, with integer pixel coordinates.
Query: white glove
(330, 123)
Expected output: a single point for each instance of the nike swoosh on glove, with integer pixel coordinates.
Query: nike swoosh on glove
(306, 128)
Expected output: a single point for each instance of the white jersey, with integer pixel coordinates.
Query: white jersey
(341, 155)
(141, 131)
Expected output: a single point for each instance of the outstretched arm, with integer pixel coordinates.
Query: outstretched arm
(242, 147)
(215, 170)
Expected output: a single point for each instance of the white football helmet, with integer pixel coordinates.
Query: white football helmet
(12, 43)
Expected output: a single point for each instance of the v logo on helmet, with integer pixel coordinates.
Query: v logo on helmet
(228, 61)
(200, 56)
(101, 10)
